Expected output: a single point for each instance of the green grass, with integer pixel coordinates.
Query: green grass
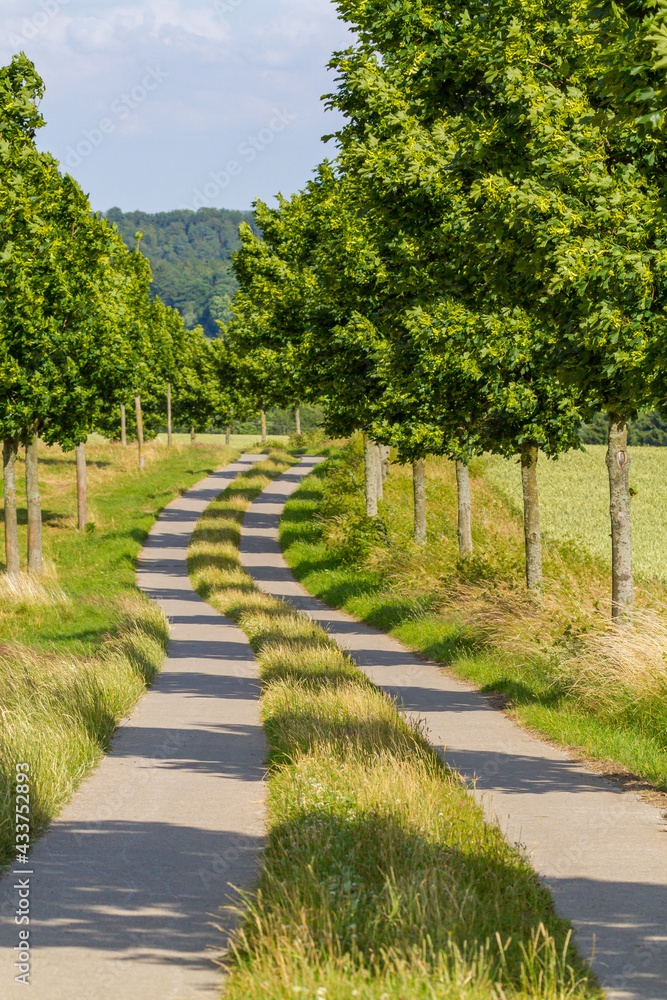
(562, 669)
(78, 648)
(60, 711)
(380, 877)
(97, 567)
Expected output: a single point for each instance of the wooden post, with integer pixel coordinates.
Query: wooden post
(263, 419)
(140, 432)
(228, 435)
(531, 516)
(465, 510)
(618, 465)
(35, 558)
(419, 491)
(81, 491)
(297, 417)
(123, 425)
(169, 414)
(192, 435)
(12, 558)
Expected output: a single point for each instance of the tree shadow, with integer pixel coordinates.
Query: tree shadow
(51, 518)
(394, 892)
(135, 892)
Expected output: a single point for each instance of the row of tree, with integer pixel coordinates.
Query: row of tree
(484, 265)
(83, 344)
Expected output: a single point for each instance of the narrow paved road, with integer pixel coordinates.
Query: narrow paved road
(129, 881)
(602, 851)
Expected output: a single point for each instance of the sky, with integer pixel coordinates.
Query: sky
(166, 104)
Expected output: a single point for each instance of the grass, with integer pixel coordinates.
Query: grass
(564, 670)
(96, 567)
(380, 877)
(59, 711)
(236, 440)
(79, 647)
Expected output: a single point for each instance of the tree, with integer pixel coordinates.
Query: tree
(196, 396)
(61, 346)
(189, 253)
(269, 326)
(488, 140)
(461, 384)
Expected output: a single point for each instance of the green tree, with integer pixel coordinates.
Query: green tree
(196, 392)
(189, 253)
(61, 345)
(488, 139)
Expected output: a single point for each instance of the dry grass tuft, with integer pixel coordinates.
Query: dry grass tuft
(26, 592)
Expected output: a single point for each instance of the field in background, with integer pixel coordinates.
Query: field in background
(237, 440)
(574, 503)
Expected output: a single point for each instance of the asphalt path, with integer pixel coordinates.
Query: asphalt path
(127, 885)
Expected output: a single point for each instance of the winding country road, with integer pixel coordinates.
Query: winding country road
(129, 880)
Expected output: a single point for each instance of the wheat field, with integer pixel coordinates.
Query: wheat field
(574, 502)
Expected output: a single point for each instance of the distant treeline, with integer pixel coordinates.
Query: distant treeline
(189, 255)
(649, 428)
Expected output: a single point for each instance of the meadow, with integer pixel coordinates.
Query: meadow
(574, 503)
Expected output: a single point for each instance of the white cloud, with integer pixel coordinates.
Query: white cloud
(226, 65)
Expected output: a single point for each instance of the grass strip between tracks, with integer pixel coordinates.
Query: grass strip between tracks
(380, 878)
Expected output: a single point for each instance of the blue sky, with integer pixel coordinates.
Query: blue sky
(163, 104)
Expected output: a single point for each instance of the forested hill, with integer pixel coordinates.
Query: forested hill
(189, 254)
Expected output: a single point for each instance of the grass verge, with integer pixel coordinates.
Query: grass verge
(79, 647)
(380, 878)
(559, 666)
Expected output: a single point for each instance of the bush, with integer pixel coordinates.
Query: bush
(307, 442)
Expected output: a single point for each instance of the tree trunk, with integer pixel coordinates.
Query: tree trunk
(371, 470)
(12, 558)
(297, 417)
(35, 558)
(618, 464)
(263, 418)
(378, 470)
(123, 425)
(228, 435)
(465, 522)
(419, 490)
(192, 435)
(140, 432)
(385, 451)
(81, 491)
(169, 415)
(531, 516)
